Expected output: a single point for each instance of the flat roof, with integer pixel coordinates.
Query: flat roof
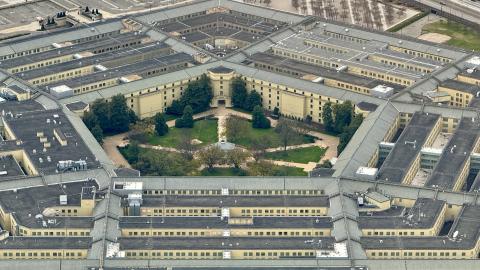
(26, 127)
(407, 147)
(72, 49)
(76, 106)
(140, 68)
(26, 203)
(97, 59)
(226, 243)
(235, 201)
(29, 242)
(305, 68)
(461, 86)
(219, 223)
(422, 215)
(467, 224)
(455, 154)
(10, 166)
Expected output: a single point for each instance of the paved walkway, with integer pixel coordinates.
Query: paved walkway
(111, 143)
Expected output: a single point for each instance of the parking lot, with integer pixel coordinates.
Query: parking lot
(26, 13)
(122, 6)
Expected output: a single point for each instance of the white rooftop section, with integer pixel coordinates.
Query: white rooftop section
(474, 61)
(367, 171)
(61, 89)
(339, 251)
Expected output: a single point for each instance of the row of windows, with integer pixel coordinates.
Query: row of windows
(207, 233)
(233, 192)
(394, 233)
(60, 233)
(68, 254)
(416, 254)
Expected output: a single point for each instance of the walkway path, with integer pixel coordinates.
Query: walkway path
(111, 143)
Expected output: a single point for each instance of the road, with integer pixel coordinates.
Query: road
(463, 9)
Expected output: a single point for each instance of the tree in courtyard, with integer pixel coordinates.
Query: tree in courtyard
(100, 108)
(261, 168)
(239, 92)
(254, 99)
(259, 120)
(348, 132)
(235, 128)
(119, 114)
(161, 127)
(286, 131)
(97, 133)
(259, 147)
(198, 95)
(211, 156)
(236, 157)
(186, 146)
(186, 121)
(343, 114)
(176, 108)
(327, 117)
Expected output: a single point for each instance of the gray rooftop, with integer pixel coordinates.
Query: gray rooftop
(407, 147)
(235, 201)
(219, 223)
(455, 154)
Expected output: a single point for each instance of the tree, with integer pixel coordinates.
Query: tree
(261, 168)
(234, 128)
(267, 2)
(239, 92)
(186, 121)
(348, 132)
(198, 94)
(236, 157)
(343, 115)
(327, 117)
(211, 156)
(259, 147)
(102, 111)
(186, 146)
(276, 112)
(90, 120)
(259, 120)
(286, 131)
(119, 114)
(254, 99)
(176, 108)
(97, 133)
(161, 127)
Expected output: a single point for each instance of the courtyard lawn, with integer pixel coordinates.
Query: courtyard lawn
(203, 130)
(299, 155)
(247, 137)
(223, 172)
(462, 36)
(291, 171)
(276, 171)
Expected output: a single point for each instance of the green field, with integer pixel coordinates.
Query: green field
(277, 171)
(462, 36)
(223, 172)
(250, 134)
(203, 130)
(300, 155)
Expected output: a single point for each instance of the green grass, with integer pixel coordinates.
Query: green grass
(291, 171)
(247, 137)
(278, 171)
(462, 36)
(300, 155)
(223, 172)
(203, 130)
